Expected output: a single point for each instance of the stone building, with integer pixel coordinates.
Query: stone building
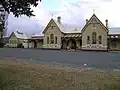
(18, 37)
(93, 36)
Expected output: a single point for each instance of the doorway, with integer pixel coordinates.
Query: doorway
(72, 44)
(64, 44)
(35, 44)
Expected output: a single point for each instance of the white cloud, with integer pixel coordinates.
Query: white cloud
(67, 11)
(75, 13)
(104, 9)
(24, 24)
(42, 14)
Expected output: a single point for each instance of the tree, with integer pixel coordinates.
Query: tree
(19, 7)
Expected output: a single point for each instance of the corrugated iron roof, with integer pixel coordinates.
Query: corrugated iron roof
(64, 29)
(72, 30)
(73, 35)
(20, 35)
(36, 36)
(114, 30)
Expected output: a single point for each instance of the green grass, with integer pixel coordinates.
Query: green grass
(23, 76)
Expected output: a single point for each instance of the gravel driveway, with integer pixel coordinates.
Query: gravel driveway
(103, 60)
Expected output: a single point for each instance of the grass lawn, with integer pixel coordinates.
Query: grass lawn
(24, 76)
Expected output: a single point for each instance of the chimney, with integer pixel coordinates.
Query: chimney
(59, 19)
(86, 20)
(106, 23)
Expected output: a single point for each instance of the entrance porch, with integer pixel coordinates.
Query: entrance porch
(73, 41)
(35, 42)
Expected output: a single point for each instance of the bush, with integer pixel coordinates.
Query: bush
(2, 44)
(20, 45)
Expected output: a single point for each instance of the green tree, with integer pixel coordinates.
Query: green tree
(19, 7)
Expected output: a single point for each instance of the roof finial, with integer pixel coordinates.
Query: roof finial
(52, 15)
(93, 11)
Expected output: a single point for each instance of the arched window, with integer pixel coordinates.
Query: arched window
(56, 40)
(100, 39)
(52, 38)
(88, 39)
(47, 40)
(94, 37)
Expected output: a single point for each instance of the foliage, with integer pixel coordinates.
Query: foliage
(20, 45)
(19, 7)
(1, 43)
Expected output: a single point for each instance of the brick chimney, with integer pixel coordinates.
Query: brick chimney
(59, 19)
(106, 23)
(86, 20)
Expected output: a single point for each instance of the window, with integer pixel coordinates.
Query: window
(56, 40)
(93, 25)
(47, 40)
(88, 39)
(14, 41)
(10, 41)
(100, 39)
(52, 38)
(52, 27)
(94, 38)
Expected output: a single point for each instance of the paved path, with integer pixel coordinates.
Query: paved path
(103, 60)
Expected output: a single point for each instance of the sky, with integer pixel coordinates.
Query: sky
(73, 13)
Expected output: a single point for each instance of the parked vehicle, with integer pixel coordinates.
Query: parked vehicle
(6, 45)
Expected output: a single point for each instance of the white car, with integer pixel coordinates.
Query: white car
(6, 45)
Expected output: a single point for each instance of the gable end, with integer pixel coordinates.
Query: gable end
(49, 24)
(12, 34)
(99, 22)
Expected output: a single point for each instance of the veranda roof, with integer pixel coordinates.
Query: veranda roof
(73, 35)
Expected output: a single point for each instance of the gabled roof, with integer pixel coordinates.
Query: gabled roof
(19, 35)
(60, 26)
(66, 30)
(37, 36)
(90, 20)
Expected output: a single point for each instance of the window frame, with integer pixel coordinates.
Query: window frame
(88, 39)
(94, 38)
(100, 39)
(55, 39)
(47, 40)
(51, 38)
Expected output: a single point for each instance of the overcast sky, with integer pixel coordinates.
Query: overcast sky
(72, 12)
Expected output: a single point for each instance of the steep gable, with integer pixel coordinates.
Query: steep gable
(18, 35)
(94, 19)
(12, 34)
(52, 23)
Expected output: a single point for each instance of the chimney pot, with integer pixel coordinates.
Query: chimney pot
(106, 23)
(59, 19)
(86, 20)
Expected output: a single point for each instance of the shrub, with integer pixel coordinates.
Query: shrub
(2, 44)
(20, 45)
